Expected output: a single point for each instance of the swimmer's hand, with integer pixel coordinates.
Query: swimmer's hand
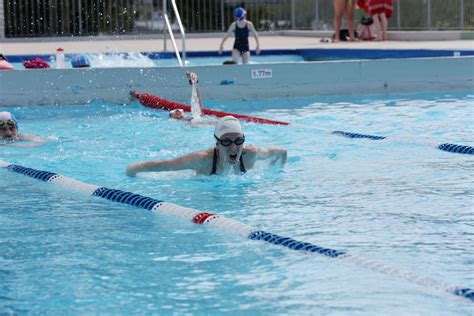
(132, 170)
(192, 77)
(271, 154)
(281, 159)
(257, 50)
(221, 49)
(277, 154)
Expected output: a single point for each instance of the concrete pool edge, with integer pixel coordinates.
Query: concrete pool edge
(242, 82)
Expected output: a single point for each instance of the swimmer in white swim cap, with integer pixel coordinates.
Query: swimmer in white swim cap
(177, 114)
(196, 118)
(228, 155)
(228, 132)
(9, 131)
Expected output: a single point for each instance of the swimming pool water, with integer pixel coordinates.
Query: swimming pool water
(254, 59)
(399, 201)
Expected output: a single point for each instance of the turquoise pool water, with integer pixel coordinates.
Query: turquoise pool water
(399, 201)
(254, 59)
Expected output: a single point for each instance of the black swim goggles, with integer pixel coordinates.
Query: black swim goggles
(7, 122)
(227, 142)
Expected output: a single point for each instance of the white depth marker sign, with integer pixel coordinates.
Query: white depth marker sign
(261, 73)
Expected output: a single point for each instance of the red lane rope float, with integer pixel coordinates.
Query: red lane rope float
(201, 217)
(153, 101)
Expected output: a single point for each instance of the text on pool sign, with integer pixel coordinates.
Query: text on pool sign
(261, 73)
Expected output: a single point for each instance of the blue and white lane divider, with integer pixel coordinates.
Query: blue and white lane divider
(453, 148)
(228, 225)
(356, 135)
(459, 149)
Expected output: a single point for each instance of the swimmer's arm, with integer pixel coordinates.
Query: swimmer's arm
(254, 32)
(31, 138)
(190, 161)
(274, 154)
(195, 81)
(229, 33)
(198, 92)
(32, 141)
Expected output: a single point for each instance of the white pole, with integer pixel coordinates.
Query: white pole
(181, 29)
(165, 35)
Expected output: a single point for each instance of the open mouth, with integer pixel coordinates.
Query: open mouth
(233, 157)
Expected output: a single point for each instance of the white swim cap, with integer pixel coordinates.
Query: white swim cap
(5, 116)
(228, 124)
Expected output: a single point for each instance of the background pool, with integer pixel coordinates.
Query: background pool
(114, 60)
(399, 201)
(200, 58)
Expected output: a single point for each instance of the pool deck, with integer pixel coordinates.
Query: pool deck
(211, 41)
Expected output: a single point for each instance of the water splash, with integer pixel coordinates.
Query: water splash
(114, 60)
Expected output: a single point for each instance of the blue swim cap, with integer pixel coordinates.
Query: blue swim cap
(240, 13)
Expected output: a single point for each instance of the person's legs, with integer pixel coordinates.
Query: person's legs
(350, 7)
(245, 57)
(378, 27)
(383, 22)
(235, 55)
(339, 6)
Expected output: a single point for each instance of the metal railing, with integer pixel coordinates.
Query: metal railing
(25, 18)
(30, 18)
(181, 59)
(181, 29)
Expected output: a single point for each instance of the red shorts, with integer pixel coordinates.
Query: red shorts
(380, 6)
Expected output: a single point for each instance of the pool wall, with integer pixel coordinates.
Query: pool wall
(308, 54)
(238, 82)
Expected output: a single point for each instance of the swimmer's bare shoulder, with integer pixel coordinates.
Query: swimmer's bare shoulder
(203, 161)
(251, 150)
(250, 155)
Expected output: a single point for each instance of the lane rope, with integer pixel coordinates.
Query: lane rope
(453, 148)
(153, 101)
(228, 225)
(157, 102)
(459, 149)
(356, 135)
